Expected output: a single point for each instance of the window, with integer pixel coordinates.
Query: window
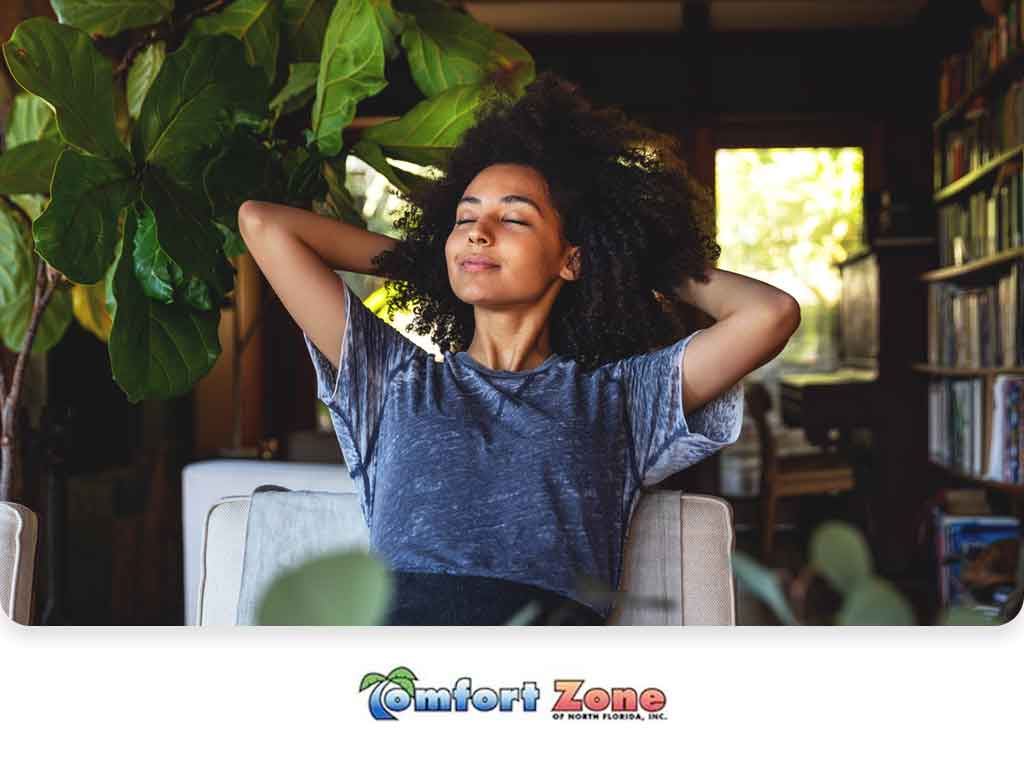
(788, 216)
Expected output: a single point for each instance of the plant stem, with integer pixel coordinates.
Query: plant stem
(47, 280)
(163, 33)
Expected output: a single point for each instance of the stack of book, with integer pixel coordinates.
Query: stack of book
(956, 425)
(991, 46)
(991, 127)
(970, 546)
(978, 326)
(985, 223)
(955, 422)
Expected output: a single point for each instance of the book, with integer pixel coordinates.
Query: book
(958, 540)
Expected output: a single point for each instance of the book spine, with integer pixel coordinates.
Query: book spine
(1012, 441)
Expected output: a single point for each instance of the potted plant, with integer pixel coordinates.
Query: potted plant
(137, 135)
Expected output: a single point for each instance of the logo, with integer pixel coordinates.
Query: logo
(395, 692)
(601, 704)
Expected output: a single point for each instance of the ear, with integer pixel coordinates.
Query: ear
(571, 270)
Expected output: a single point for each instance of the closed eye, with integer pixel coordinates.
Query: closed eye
(510, 221)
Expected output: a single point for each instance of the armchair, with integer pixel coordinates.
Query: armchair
(18, 539)
(679, 548)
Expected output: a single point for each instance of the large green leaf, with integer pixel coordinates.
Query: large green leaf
(298, 90)
(61, 65)
(186, 232)
(189, 104)
(18, 264)
(28, 167)
(304, 24)
(344, 589)
(428, 132)
(155, 271)
(188, 171)
(156, 350)
(392, 24)
(840, 553)
(142, 74)
(351, 69)
(446, 48)
(243, 169)
(108, 17)
(76, 233)
(763, 584)
(31, 119)
(256, 23)
(875, 602)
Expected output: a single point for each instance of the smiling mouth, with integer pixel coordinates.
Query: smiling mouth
(477, 266)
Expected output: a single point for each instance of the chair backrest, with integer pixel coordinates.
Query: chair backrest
(678, 554)
(759, 402)
(204, 483)
(19, 534)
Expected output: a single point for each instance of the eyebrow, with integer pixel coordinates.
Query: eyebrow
(505, 199)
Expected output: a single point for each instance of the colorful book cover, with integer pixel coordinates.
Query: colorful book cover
(960, 539)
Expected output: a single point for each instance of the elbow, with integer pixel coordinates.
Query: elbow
(252, 217)
(787, 316)
(249, 215)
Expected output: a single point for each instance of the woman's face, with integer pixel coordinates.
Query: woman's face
(506, 223)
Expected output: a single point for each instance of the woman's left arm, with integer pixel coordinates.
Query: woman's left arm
(753, 322)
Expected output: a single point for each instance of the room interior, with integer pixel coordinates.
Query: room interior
(842, 436)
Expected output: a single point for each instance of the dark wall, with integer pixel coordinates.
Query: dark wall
(813, 71)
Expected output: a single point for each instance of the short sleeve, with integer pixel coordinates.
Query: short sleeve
(665, 440)
(371, 352)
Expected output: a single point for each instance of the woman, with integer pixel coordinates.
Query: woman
(547, 264)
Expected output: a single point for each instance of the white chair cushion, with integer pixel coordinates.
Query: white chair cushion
(285, 529)
(206, 483)
(679, 550)
(18, 539)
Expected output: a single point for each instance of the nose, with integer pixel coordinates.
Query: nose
(478, 234)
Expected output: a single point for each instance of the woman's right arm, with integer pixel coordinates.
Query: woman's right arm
(297, 251)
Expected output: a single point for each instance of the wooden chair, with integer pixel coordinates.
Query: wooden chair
(786, 476)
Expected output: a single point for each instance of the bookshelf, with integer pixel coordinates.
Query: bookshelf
(975, 349)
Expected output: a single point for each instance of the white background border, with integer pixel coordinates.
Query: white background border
(818, 696)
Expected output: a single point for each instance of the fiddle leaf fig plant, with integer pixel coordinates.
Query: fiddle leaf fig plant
(141, 127)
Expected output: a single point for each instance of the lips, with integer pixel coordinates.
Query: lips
(478, 262)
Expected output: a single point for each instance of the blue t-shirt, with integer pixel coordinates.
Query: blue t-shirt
(530, 476)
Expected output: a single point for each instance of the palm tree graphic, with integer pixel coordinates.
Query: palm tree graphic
(401, 676)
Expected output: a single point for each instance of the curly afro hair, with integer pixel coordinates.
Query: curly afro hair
(624, 195)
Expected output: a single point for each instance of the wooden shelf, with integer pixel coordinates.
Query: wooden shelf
(1007, 68)
(972, 178)
(994, 484)
(959, 270)
(941, 370)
